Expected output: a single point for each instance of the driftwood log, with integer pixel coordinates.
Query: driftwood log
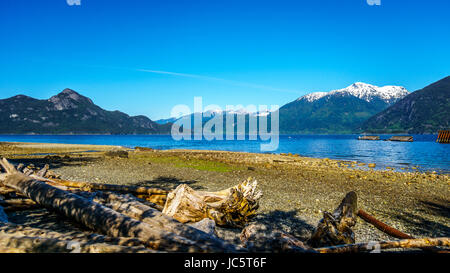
(382, 226)
(232, 207)
(336, 228)
(10, 205)
(125, 200)
(110, 187)
(206, 225)
(260, 238)
(371, 246)
(17, 202)
(4, 191)
(42, 172)
(15, 238)
(27, 244)
(153, 195)
(131, 206)
(392, 231)
(18, 230)
(98, 217)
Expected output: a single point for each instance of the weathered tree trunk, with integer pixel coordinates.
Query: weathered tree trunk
(138, 205)
(14, 202)
(6, 191)
(382, 226)
(185, 205)
(130, 206)
(233, 207)
(42, 172)
(336, 228)
(373, 246)
(206, 225)
(11, 205)
(26, 244)
(18, 230)
(98, 217)
(154, 195)
(392, 231)
(260, 238)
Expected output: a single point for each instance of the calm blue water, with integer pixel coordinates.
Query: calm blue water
(423, 152)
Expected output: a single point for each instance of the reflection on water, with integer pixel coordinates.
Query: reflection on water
(423, 152)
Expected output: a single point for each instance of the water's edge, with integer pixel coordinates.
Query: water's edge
(423, 152)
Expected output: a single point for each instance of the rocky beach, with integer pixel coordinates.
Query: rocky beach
(296, 190)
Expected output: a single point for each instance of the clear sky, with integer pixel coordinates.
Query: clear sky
(144, 57)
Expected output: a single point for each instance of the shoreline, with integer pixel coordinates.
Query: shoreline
(401, 167)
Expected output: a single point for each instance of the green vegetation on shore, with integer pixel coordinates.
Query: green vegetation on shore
(198, 164)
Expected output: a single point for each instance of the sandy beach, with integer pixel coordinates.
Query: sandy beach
(296, 190)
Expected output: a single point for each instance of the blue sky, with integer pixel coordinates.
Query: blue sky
(227, 51)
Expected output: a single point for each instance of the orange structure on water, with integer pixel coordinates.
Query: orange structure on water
(443, 136)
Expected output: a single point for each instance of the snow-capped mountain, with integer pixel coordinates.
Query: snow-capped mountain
(338, 111)
(367, 92)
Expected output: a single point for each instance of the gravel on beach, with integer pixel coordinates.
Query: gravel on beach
(296, 190)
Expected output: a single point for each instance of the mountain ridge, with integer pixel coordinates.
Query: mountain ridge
(354, 109)
(336, 111)
(426, 110)
(69, 112)
(339, 111)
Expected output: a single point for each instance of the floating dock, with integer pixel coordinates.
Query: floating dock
(443, 136)
(369, 138)
(401, 138)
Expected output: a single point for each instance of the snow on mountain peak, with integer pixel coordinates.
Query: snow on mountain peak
(363, 91)
(314, 96)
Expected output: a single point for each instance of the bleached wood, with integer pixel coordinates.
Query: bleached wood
(336, 228)
(131, 206)
(371, 246)
(232, 207)
(27, 244)
(96, 216)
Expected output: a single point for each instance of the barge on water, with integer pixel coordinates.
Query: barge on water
(369, 138)
(393, 138)
(401, 138)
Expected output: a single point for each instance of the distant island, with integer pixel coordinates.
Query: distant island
(359, 108)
